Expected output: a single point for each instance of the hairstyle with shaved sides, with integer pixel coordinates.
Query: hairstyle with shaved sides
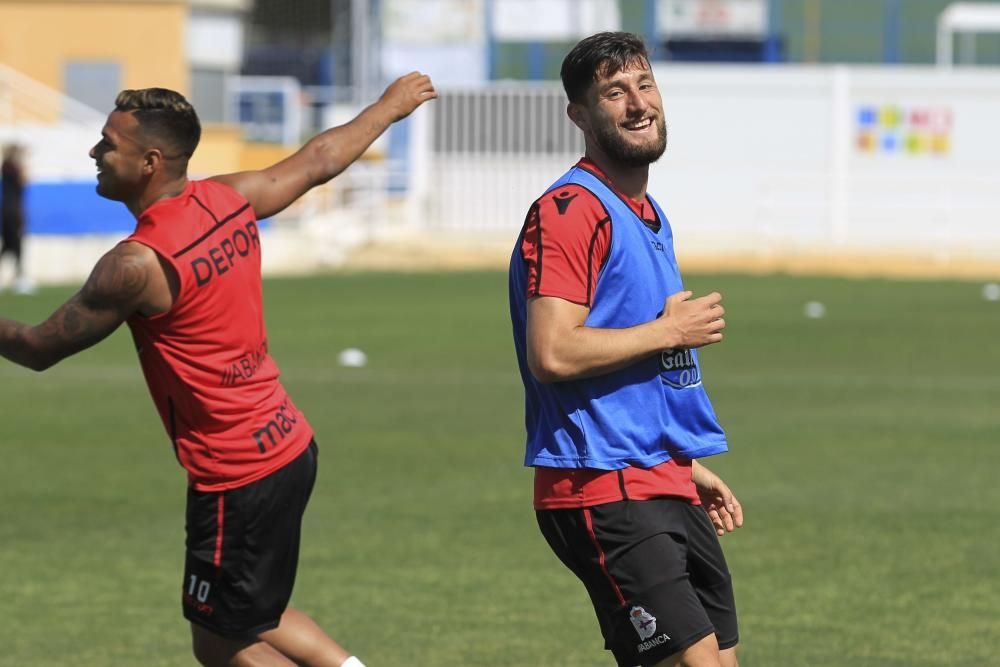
(599, 56)
(164, 115)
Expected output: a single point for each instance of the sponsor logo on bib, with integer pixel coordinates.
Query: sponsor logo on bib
(679, 368)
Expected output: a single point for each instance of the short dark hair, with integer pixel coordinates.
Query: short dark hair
(164, 114)
(600, 55)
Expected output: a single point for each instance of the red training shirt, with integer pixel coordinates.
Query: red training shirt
(206, 360)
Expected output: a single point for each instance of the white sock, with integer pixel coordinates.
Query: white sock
(352, 662)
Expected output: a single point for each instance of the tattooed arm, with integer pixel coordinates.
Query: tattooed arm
(119, 286)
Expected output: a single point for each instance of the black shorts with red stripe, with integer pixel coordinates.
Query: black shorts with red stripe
(243, 550)
(655, 573)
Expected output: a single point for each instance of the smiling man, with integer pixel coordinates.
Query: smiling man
(187, 282)
(616, 412)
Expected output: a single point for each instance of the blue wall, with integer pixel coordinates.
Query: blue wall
(69, 208)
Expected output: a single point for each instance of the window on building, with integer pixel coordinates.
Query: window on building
(208, 95)
(95, 83)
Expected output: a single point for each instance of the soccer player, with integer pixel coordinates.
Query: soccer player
(187, 282)
(616, 413)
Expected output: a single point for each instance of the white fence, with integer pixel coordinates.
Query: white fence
(493, 151)
(763, 160)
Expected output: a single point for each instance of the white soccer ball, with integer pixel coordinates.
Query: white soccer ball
(814, 310)
(991, 292)
(352, 357)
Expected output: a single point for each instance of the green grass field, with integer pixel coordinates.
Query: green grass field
(865, 449)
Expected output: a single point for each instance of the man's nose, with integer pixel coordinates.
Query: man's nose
(637, 101)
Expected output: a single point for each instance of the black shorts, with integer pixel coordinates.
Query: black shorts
(655, 573)
(243, 550)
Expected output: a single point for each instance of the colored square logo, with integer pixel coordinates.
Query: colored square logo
(867, 117)
(892, 129)
(890, 117)
(867, 142)
(940, 143)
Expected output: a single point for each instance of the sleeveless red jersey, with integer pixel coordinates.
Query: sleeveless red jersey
(206, 359)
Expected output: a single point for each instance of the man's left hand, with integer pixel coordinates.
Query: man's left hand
(724, 510)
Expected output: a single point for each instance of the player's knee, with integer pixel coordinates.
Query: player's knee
(204, 654)
(703, 653)
(210, 650)
(728, 657)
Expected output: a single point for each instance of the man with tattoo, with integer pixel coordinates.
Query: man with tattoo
(187, 282)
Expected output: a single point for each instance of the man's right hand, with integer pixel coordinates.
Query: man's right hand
(693, 322)
(406, 94)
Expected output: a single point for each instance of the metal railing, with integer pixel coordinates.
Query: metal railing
(492, 149)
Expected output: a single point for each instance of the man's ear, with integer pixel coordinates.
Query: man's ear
(578, 115)
(152, 160)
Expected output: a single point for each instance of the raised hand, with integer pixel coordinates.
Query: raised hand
(407, 93)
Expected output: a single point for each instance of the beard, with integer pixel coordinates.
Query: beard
(612, 141)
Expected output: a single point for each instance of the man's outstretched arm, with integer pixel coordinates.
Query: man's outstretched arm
(114, 290)
(273, 189)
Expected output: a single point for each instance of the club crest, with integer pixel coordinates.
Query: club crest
(644, 622)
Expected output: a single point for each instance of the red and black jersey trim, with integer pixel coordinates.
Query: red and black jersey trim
(621, 484)
(590, 258)
(218, 224)
(534, 217)
(172, 418)
(535, 211)
(654, 225)
(606, 220)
